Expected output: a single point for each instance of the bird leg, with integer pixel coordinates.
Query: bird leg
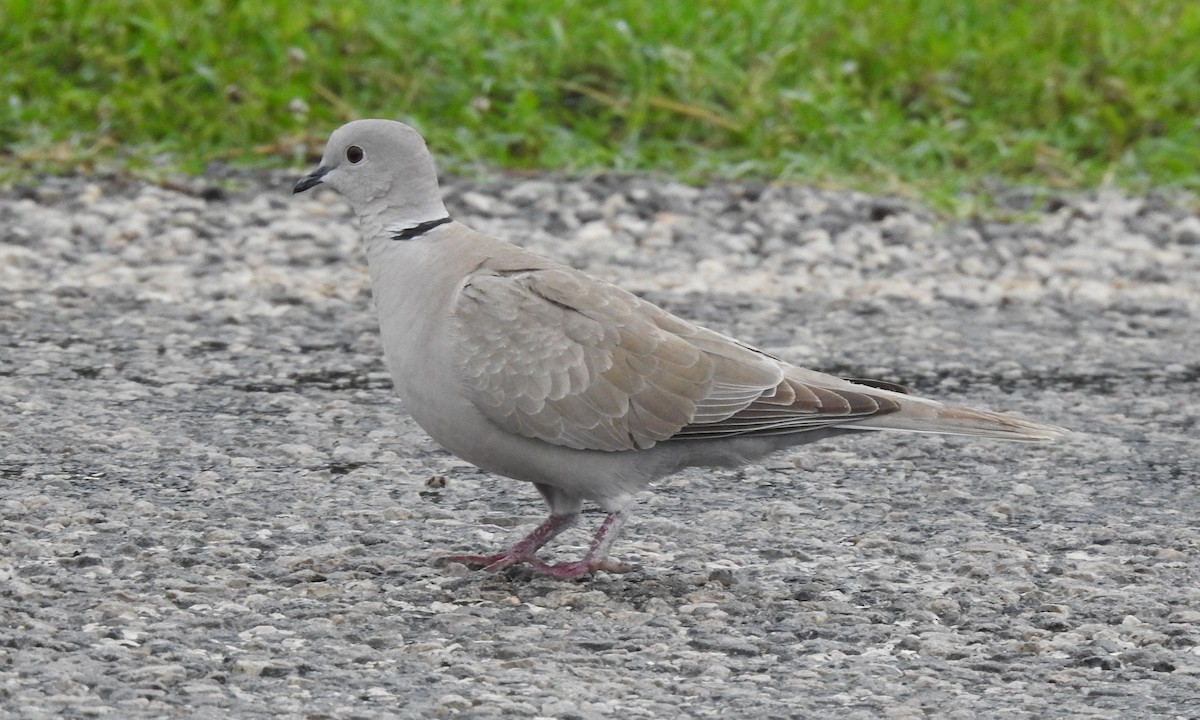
(596, 557)
(525, 551)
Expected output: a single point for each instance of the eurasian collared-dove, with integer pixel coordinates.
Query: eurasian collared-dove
(534, 370)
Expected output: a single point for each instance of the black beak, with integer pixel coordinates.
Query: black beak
(316, 177)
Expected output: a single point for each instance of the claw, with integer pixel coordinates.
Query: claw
(483, 562)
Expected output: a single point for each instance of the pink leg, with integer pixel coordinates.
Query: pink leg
(596, 557)
(525, 551)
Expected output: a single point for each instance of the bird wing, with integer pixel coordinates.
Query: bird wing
(549, 353)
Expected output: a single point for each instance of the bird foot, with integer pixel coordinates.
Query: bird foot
(578, 569)
(561, 571)
(525, 552)
(491, 563)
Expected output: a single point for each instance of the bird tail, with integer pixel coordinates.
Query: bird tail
(927, 416)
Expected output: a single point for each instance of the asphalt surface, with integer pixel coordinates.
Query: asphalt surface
(211, 505)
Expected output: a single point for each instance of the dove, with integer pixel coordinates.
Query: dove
(532, 370)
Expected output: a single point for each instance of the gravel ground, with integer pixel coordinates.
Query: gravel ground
(212, 505)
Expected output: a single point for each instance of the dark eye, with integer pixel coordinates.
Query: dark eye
(354, 154)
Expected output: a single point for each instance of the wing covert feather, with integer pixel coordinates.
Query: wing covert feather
(549, 353)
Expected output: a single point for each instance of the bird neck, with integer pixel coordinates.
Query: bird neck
(394, 217)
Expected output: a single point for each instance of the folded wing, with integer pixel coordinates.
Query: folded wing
(549, 353)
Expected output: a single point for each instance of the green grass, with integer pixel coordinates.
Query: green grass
(933, 97)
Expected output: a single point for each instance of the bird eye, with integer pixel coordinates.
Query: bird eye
(354, 154)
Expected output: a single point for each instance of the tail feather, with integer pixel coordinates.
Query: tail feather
(925, 416)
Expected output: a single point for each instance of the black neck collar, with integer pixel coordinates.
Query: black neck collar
(419, 229)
